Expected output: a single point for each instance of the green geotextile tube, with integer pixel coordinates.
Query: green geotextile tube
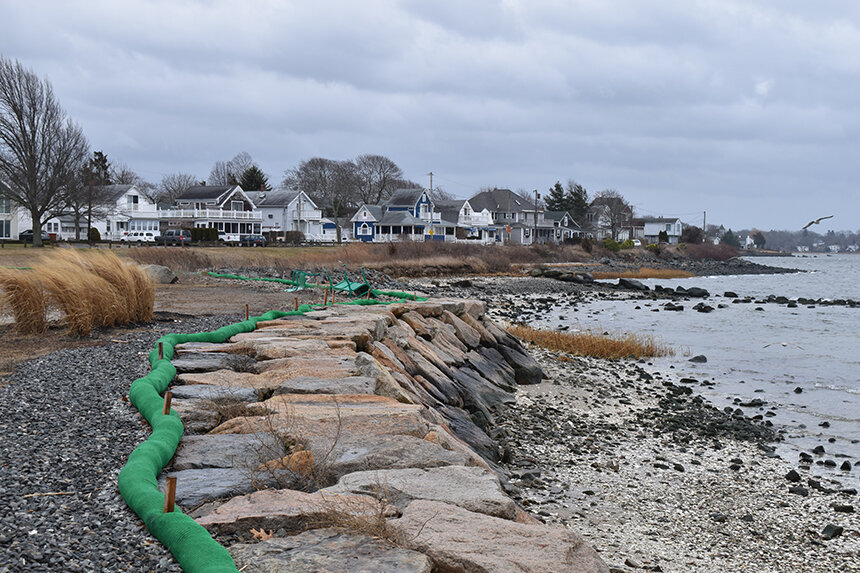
(375, 292)
(190, 543)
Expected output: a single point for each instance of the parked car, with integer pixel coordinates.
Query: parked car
(637, 243)
(139, 237)
(27, 236)
(253, 241)
(174, 237)
(228, 237)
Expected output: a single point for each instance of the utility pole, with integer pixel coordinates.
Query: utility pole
(534, 235)
(704, 225)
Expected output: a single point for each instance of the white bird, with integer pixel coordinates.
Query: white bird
(816, 221)
(783, 344)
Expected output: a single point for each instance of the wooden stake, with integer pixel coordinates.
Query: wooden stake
(161, 351)
(297, 302)
(247, 311)
(332, 297)
(326, 298)
(168, 397)
(170, 495)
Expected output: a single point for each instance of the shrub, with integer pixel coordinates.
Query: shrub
(94, 235)
(587, 244)
(294, 237)
(662, 237)
(628, 244)
(204, 234)
(611, 245)
(710, 251)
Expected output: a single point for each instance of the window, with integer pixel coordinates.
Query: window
(236, 205)
(395, 229)
(6, 206)
(132, 201)
(5, 229)
(364, 229)
(385, 229)
(271, 216)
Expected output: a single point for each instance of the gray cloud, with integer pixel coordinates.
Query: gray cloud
(745, 109)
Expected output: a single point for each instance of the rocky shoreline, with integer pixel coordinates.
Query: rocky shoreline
(656, 479)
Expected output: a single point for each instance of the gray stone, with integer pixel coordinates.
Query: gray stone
(160, 274)
(493, 366)
(328, 551)
(313, 385)
(632, 284)
(526, 368)
(210, 392)
(211, 361)
(463, 427)
(241, 451)
(194, 487)
(472, 488)
(461, 541)
(383, 452)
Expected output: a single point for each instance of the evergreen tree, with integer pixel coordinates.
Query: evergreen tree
(253, 179)
(577, 201)
(556, 200)
(729, 239)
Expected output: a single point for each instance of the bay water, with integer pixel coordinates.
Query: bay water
(803, 362)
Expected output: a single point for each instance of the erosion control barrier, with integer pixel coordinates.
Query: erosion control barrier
(190, 543)
(400, 295)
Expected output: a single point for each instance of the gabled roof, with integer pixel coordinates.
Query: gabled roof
(217, 193)
(277, 198)
(404, 197)
(117, 191)
(559, 216)
(500, 200)
(376, 211)
(660, 219)
(450, 210)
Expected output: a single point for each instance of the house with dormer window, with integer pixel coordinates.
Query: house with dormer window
(410, 214)
(224, 207)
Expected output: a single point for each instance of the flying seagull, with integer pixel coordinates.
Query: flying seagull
(816, 221)
(783, 344)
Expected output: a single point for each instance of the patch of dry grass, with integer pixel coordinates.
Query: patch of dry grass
(591, 344)
(91, 290)
(645, 273)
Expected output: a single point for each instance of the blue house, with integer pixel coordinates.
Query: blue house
(409, 214)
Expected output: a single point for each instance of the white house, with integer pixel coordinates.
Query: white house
(125, 209)
(8, 220)
(471, 224)
(224, 207)
(283, 211)
(655, 225)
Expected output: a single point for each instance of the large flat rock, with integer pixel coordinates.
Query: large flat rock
(328, 551)
(472, 488)
(240, 451)
(315, 385)
(291, 510)
(461, 541)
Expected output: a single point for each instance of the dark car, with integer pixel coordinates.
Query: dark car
(27, 236)
(253, 241)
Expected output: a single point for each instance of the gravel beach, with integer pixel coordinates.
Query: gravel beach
(66, 432)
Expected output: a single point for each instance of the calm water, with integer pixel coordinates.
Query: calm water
(765, 353)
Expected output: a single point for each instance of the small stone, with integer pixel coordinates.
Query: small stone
(699, 359)
(718, 517)
(630, 562)
(824, 424)
(842, 508)
(831, 531)
(798, 490)
(846, 466)
(747, 517)
(798, 390)
(818, 450)
(793, 476)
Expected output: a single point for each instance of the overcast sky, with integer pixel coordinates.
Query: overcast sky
(745, 109)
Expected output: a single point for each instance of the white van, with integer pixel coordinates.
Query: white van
(139, 237)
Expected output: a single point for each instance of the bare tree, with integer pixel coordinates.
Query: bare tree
(378, 177)
(332, 184)
(173, 185)
(41, 149)
(122, 174)
(615, 212)
(230, 172)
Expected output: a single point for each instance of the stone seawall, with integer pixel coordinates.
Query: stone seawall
(359, 438)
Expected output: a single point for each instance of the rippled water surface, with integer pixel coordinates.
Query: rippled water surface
(763, 350)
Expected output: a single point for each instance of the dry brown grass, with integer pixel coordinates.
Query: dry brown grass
(91, 290)
(645, 273)
(591, 344)
(401, 259)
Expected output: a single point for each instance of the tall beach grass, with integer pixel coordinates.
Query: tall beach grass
(90, 290)
(591, 344)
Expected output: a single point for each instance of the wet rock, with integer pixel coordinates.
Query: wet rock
(632, 284)
(842, 508)
(799, 490)
(699, 359)
(792, 476)
(831, 531)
